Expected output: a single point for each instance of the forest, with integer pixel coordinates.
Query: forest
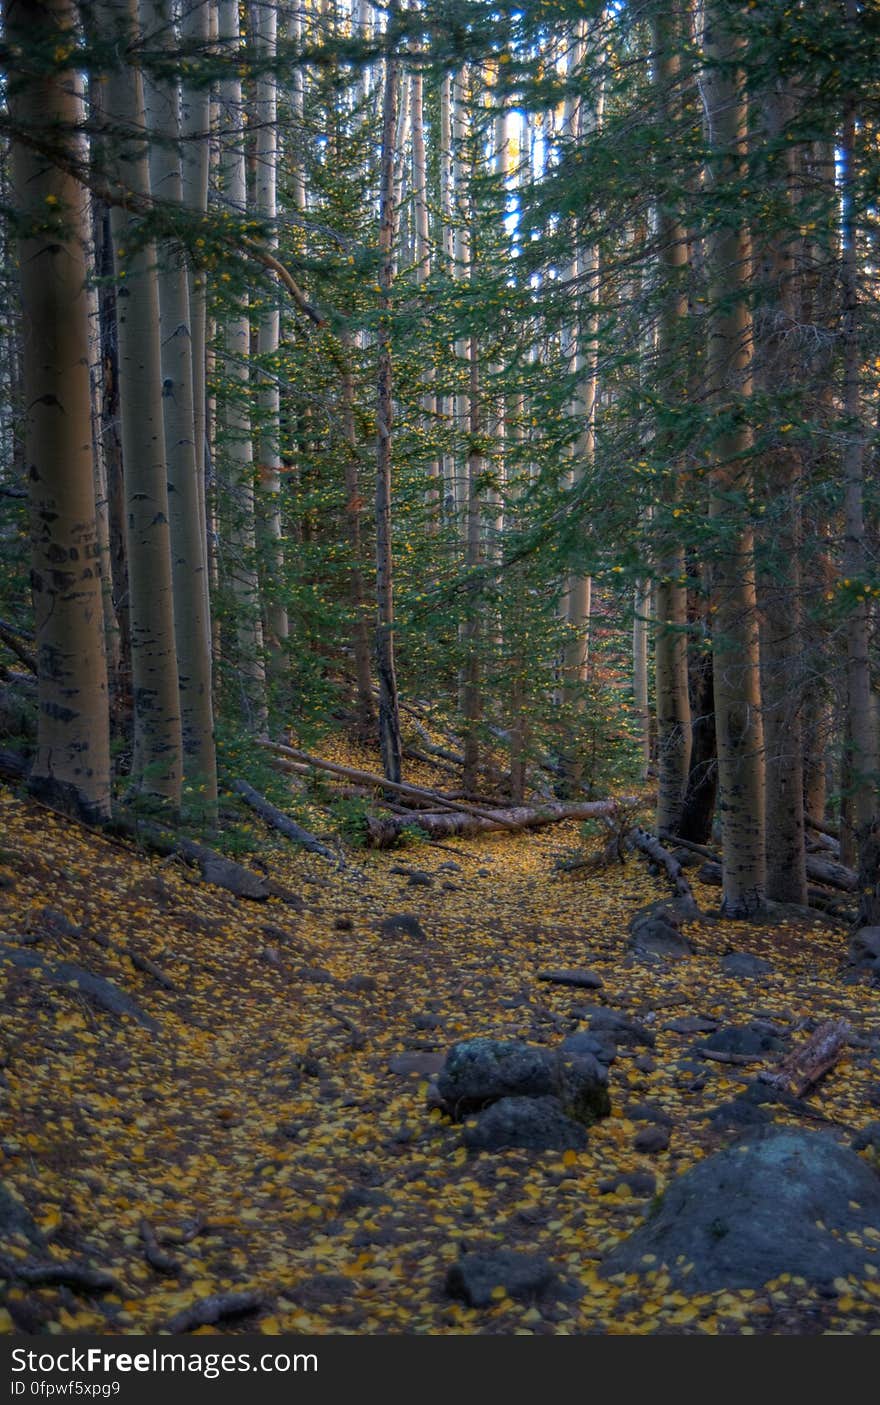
(440, 667)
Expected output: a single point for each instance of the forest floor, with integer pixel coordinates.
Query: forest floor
(270, 1134)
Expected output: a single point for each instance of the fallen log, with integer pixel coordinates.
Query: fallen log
(283, 823)
(649, 845)
(832, 874)
(215, 868)
(690, 845)
(804, 1067)
(710, 873)
(384, 833)
(353, 773)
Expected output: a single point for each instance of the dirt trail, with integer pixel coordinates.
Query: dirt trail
(274, 1134)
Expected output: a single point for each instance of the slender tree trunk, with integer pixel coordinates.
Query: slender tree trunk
(157, 759)
(389, 717)
(195, 128)
(71, 769)
(239, 452)
(192, 625)
(353, 508)
(670, 660)
(268, 334)
(735, 630)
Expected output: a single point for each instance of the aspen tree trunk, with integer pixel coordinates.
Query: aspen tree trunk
(239, 453)
(389, 716)
(861, 725)
(99, 470)
(670, 657)
(780, 594)
(265, 20)
(71, 769)
(461, 258)
(157, 760)
(735, 636)
(472, 706)
(192, 625)
(195, 128)
(423, 273)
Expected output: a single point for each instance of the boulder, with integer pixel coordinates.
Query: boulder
(479, 1072)
(535, 1124)
(785, 1201)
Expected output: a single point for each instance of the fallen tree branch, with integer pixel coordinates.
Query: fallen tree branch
(649, 845)
(283, 823)
(710, 873)
(154, 1253)
(353, 773)
(214, 1309)
(215, 868)
(804, 1067)
(383, 833)
(68, 1275)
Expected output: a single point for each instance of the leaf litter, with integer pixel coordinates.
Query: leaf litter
(269, 1150)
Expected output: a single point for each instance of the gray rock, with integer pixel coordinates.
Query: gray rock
(366, 985)
(743, 966)
(780, 1202)
(620, 1027)
(749, 1041)
(651, 1140)
(316, 975)
(656, 932)
(101, 992)
(402, 924)
(648, 1112)
(691, 1024)
(536, 1124)
(586, 980)
(419, 879)
(478, 1072)
(522, 1276)
(602, 1046)
(864, 949)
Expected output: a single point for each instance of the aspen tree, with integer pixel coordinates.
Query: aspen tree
(123, 152)
(71, 769)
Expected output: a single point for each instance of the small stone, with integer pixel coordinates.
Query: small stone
(742, 965)
(651, 1140)
(476, 1277)
(420, 879)
(691, 1024)
(367, 985)
(316, 975)
(343, 924)
(402, 924)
